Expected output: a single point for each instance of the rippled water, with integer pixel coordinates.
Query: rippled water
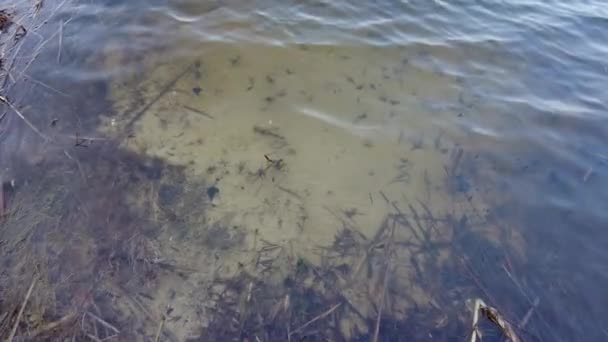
(238, 128)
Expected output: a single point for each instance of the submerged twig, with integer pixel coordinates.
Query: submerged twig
(524, 321)
(60, 42)
(27, 297)
(289, 191)
(39, 49)
(160, 94)
(370, 247)
(28, 122)
(93, 338)
(324, 314)
(52, 325)
(403, 217)
(2, 200)
(44, 85)
(160, 328)
(387, 272)
(379, 318)
(267, 132)
(197, 111)
(104, 323)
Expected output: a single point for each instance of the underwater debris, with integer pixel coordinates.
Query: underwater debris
(289, 191)
(212, 191)
(114, 245)
(24, 118)
(403, 171)
(168, 86)
(268, 132)
(200, 112)
(18, 318)
(417, 144)
(278, 164)
(6, 19)
(234, 61)
(493, 316)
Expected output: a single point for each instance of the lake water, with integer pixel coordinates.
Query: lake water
(303, 170)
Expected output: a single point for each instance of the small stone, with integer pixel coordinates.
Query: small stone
(212, 191)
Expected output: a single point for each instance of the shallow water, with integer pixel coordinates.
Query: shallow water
(273, 127)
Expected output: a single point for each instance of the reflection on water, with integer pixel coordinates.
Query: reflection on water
(322, 170)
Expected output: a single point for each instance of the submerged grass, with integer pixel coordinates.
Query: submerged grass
(79, 236)
(82, 250)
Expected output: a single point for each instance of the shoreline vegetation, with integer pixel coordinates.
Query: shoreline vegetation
(82, 254)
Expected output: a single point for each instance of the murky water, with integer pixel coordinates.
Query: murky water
(274, 171)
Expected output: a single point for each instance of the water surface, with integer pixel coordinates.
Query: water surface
(221, 167)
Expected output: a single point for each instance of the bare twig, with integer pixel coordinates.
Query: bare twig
(382, 300)
(530, 301)
(160, 328)
(524, 321)
(198, 111)
(160, 94)
(46, 86)
(387, 271)
(325, 314)
(475, 279)
(2, 201)
(402, 216)
(28, 122)
(104, 323)
(80, 169)
(60, 42)
(53, 325)
(93, 338)
(27, 297)
(39, 49)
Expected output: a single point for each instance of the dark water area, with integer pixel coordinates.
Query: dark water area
(274, 171)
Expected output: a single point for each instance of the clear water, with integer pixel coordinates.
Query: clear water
(226, 132)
